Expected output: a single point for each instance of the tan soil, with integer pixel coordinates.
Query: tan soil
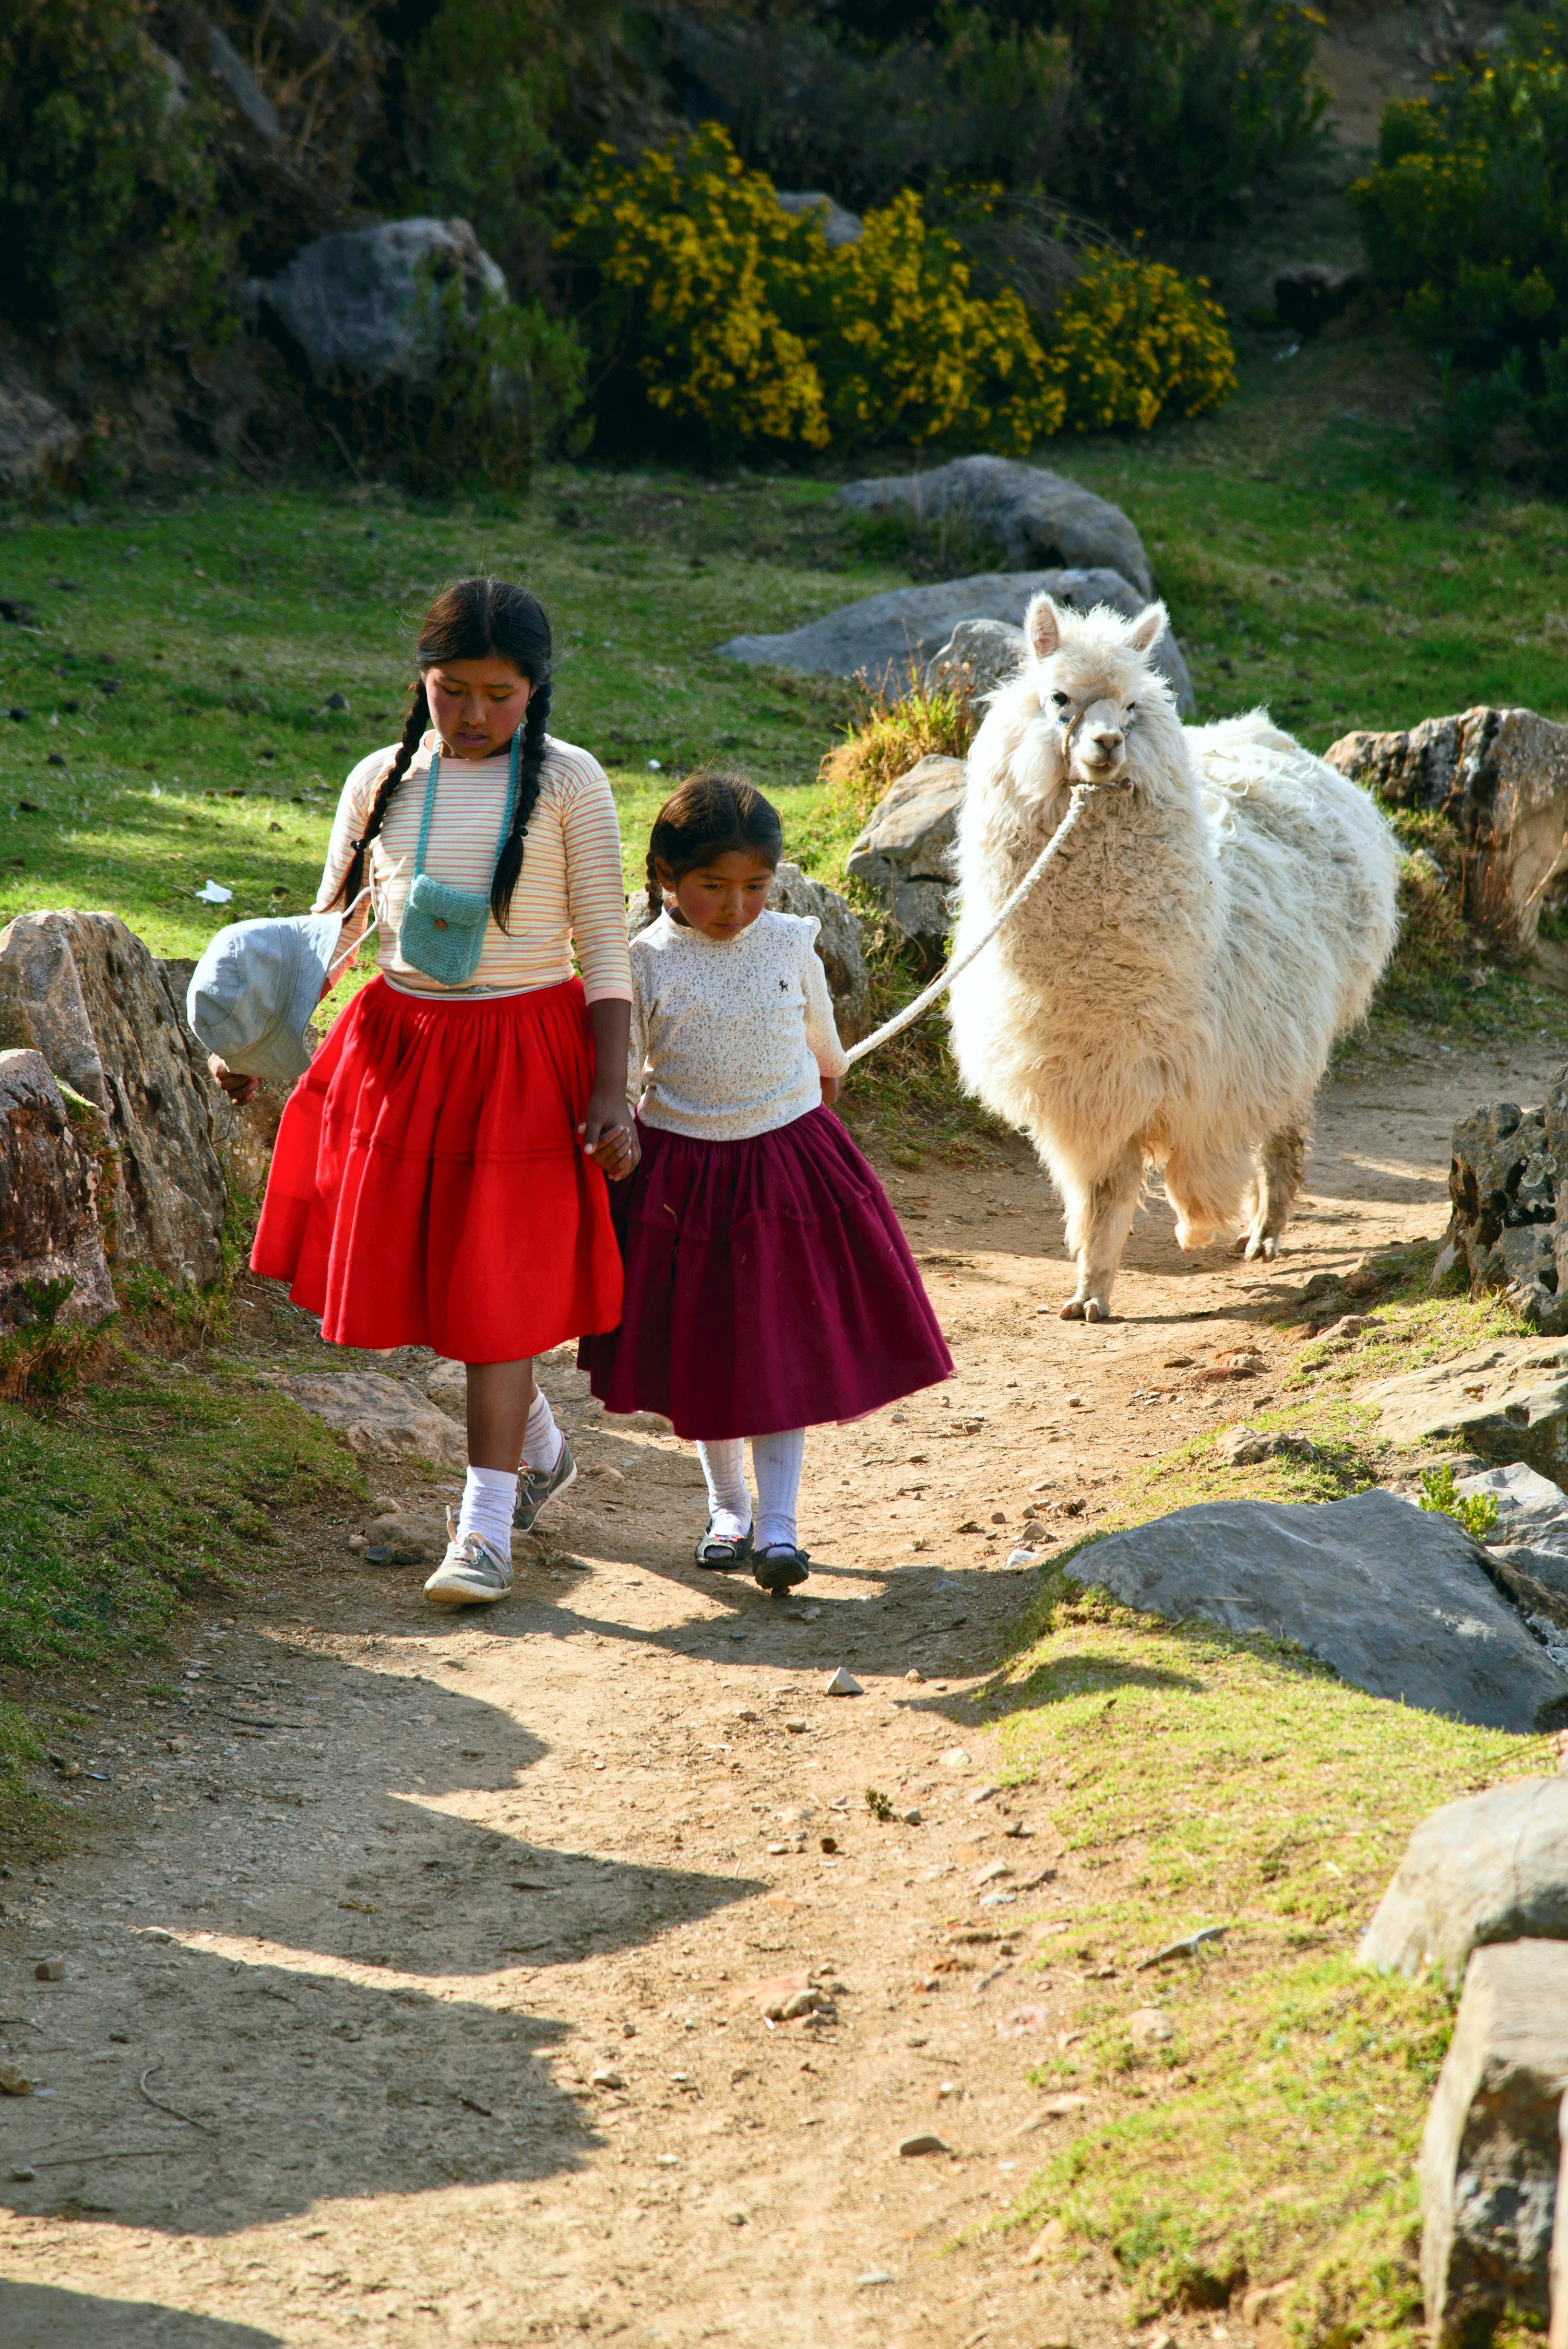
(414, 1880)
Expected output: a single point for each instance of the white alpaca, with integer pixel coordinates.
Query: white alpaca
(1168, 994)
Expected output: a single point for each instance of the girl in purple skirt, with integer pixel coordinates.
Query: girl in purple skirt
(768, 1285)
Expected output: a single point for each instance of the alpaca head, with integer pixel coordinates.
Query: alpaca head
(1097, 690)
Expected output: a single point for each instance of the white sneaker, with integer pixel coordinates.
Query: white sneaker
(471, 1574)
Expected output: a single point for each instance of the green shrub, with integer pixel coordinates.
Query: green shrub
(108, 220)
(1476, 1512)
(736, 323)
(1465, 218)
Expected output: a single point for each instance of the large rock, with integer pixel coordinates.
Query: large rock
(904, 852)
(1491, 2151)
(52, 1265)
(889, 638)
(838, 226)
(1035, 517)
(839, 946)
(1394, 1599)
(375, 1413)
(363, 309)
(1490, 1867)
(1507, 1401)
(1508, 1178)
(1500, 777)
(38, 442)
(83, 990)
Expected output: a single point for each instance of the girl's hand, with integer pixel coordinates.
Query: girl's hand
(239, 1088)
(608, 1134)
(617, 1151)
(832, 1088)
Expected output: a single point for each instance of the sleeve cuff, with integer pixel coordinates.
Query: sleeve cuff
(607, 990)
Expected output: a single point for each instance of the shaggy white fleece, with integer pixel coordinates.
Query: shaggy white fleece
(1169, 995)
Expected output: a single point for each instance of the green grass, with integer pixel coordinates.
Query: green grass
(1208, 1780)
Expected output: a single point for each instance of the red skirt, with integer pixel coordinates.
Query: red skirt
(427, 1188)
(768, 1286)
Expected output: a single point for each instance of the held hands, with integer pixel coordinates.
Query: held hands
(608, 1135)
(832, 1088)
(239, 1088)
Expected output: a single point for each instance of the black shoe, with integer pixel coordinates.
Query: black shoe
(780, 1567)
(719, 1552)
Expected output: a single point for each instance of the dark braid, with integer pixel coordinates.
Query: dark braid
(530, 775)
(476, 619)
(714, 812)
(414, 728)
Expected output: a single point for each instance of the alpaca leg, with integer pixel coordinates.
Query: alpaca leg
(1098, 1220)
(1206, 1196)
(1280, 1170)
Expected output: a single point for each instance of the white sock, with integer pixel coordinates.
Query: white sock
(541, 1437)
(777, 1462)
(489, 1496)
(729, 1502)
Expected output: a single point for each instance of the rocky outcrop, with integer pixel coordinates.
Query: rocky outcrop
(52, 1264)
(1396, 1599)
(1492, 2150)
(38, 442)
(1036, 518)
(903, 853)
(1504, 1183)
(838, 226)
(361, 309)
(1505, 1401)
(839, 946)
(1490, 1867)
(891, 638)
(83, 990)
(375, 1413)
(1501, 778)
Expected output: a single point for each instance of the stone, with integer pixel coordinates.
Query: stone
(838, 226)
(38, 442)
(840, 948)
(1490, 2152)
(956, 1757)
(376, 1413)
(1243, 1447)
(83, 990)
(1501, 778)
(1035, 517)
(1309, 295)
(1394, 1600)
(903, 851)
(15, 2084)
(844, 1683)
(1149, 2026)
(446, 1384)
(1492, 1866)
(1549, 1568)
(890, 640)
(361, 308)
(51, 1264)
(49, 1970)
(1523, 1496)
(406, 1538)
(1505, 1401)
(606, 2077)
(923, 2141)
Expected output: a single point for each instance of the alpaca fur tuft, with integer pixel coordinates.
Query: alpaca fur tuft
(1168, 996)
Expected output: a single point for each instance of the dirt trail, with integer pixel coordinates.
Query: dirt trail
(414, 1999)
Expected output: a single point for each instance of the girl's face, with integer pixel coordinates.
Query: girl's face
(720, 898)
(475, 705)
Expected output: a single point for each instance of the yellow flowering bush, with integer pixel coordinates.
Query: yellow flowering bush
(1131, 339)
(744, 326)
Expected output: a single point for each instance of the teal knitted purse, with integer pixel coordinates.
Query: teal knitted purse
(442, 932)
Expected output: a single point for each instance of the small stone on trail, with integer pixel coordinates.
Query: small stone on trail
(1020, 1558)
(981, 1794)
(922, 2143)
(994, 1874)
(15, 2084)
(915, 1675)
(1149, 2026)
(357, 1542)
(911, 1818)
(49, 1970)
(604, 2077)
(23, 2176)
(956, 1758)
(177, 1744)
(1061, 2109)
(735, 2218)
(844, 1683)
(876, 2275)
(796, 1726)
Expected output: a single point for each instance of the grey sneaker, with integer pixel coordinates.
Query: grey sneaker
(471, 1574)
(537, 1485)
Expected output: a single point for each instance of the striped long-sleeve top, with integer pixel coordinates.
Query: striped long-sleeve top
(569, 894)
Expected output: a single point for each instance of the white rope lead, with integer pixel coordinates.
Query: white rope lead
(927, 996)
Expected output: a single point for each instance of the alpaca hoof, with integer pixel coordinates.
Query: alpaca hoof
(1264, 1245)
(1073, 1310)
(1093, 1310)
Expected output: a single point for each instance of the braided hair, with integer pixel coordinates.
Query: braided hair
(476, 619)
(714, 812)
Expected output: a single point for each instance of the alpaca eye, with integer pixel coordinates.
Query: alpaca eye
(1061, 699)
(1130, 707)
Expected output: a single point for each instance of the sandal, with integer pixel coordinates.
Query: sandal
(780, 1567)
(719, 1552)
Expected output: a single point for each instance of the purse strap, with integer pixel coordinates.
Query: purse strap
(430, 805)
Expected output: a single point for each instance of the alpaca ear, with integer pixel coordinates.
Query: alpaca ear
(1043, 628)
(1149, 626)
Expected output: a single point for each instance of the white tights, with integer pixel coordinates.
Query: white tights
(776, 1461)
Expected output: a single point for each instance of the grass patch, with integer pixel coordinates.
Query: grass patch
(1201, 1779)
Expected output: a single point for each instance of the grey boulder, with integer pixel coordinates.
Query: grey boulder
(1490, 2151)
(1394, 1599)
(890, 638)
(904, 852)
(838, 226)
(1490, 1867)
(83, 990)
(1034, 516)
(1505, 1401)
(363, 308)
(52, 1264)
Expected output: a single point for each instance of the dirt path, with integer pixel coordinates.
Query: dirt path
(414, 1997)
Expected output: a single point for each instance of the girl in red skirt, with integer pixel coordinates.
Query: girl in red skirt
(768, 1284)
(434, 1182)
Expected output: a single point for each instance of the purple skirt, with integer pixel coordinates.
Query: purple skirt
(768, 1286)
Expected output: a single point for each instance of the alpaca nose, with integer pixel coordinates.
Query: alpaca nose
(1107, 741)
